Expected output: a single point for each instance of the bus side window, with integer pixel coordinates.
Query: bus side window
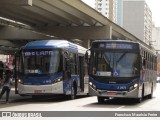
(144, 62)
(67, 70)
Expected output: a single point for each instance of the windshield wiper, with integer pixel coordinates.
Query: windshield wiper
(121, 56)
(106, 59)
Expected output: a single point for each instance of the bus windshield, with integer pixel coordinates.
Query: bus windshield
(41, 62)
(114, 64)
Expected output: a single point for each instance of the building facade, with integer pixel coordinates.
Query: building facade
(156, 37)
(133, 15)
(107, 8)
(156, 44)
(137, 19)
(119, 12)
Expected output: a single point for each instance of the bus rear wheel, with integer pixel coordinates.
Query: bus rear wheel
(139, 100)
(151, 95)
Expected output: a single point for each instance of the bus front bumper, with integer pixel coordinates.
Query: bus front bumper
(56, 88)
(118, 94)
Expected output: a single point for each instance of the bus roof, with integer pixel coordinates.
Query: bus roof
(147, 47)
(53, 44)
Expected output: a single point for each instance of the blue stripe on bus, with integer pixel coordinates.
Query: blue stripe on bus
(41, 80)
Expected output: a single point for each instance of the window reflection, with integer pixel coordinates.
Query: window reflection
(42, 63)
(117, 64)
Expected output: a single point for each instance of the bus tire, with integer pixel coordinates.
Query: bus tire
(139, 100)
(150, 96)
(100, 99)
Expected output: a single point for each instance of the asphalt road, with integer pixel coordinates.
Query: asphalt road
(82, 103)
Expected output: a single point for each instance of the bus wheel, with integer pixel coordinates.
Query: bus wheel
(139, 100)
(73, 93)
(100, 99)
(151, 95)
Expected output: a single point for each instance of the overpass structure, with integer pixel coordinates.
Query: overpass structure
(48, 19)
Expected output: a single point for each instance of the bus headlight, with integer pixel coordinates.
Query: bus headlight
(92, 85)
(20, 81)
(133, 86)
(58, 80)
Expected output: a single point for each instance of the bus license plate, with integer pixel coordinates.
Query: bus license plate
(111, 93)
(37, 91)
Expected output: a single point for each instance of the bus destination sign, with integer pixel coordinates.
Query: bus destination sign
(115, 45)
(39, 53)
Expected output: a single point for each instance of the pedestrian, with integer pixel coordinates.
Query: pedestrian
(6, 85)
(1, 72)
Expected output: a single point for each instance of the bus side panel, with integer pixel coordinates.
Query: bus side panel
(148, 81)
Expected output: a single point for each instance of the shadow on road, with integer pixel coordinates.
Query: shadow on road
(17, 100)
(117, 102)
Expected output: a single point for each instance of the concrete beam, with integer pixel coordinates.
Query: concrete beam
(102, 20)
(7, 50)
(80, 32)
(16, 2)
(10, 47)
(13, 33)
(13, 44)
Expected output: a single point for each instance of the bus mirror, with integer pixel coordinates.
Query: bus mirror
(144, 62)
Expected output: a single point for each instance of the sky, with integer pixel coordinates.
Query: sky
(154, 6)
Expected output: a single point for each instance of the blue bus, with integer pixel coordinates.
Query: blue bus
(51, 67)
(121, 69)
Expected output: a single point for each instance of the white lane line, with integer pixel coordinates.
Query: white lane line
(120, 107)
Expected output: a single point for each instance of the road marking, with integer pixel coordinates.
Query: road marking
(120, 107)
